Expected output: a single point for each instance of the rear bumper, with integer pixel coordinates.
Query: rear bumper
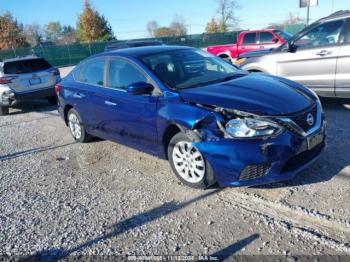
(14, 98)
(41, 93)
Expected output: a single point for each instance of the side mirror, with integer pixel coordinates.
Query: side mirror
(275, 40)
(139, 88)
(290, 47)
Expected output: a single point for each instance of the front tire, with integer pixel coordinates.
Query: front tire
(188, 163)
(76, 128)
(4, 110)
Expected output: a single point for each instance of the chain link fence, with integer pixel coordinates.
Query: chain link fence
(65, 55)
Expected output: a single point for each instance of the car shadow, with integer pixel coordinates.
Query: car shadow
(119, 228)
(336, 156)
(36, 105)
(229, 251)
(30, 152)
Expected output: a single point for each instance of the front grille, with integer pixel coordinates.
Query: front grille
(301, 119)
(302, 158)
(254, 171)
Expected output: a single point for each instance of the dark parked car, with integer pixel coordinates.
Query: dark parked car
(212, 121)
(26, 78)
(130, 44)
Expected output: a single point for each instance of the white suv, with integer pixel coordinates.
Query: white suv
(317, 57)
(22, 79)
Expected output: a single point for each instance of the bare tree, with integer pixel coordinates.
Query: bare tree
(33, 34)
(11, 32)
(152, 26)
(52, 30)
(226, 10)
(178, 25)
(290, 20)
(68, 35)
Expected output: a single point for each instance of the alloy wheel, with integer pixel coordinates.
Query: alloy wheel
(74, 125)
(188, 162)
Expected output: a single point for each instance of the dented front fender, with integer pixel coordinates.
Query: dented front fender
(198, 122)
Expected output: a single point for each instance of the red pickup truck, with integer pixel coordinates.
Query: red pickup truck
(251, 40)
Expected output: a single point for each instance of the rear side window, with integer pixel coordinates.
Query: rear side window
(93, 72)
(76, 73)
(26, 66)
(249, 39)
(122, 74)
(266, 37)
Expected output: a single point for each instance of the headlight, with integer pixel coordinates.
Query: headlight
(250, 128)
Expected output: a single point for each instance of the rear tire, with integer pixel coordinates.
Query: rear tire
(76, 127)
(4, 110)
(52, 100)
(188, 163)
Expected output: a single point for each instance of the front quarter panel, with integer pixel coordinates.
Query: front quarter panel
(266, 64)
(187, 117)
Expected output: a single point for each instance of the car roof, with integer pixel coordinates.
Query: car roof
(258, 30)
(337, 15)
(21, 59)
(145, 50)
(133, 42)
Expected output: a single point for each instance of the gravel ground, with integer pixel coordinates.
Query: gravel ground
(62, 199)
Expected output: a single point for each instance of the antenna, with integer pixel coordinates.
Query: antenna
(86, 3)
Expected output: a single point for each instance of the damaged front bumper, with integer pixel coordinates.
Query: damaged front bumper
(256, 161)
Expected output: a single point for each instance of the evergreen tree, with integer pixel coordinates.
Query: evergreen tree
(92, 26)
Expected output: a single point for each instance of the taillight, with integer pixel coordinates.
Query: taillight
(6, 79)
(55, 71)
(57, 89)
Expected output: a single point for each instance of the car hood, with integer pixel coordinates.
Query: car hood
(255, 93)
(257, 53)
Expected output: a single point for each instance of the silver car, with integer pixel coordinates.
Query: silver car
(318, 57)
(22, 79)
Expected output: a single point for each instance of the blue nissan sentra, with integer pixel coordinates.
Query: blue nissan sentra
(211, 120)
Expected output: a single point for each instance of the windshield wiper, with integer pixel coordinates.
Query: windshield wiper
(230, 77)
(227, 78)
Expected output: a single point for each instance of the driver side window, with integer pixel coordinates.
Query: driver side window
(322, 35)
(122, 74)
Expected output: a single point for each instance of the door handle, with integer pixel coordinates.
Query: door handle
(324, 53)
(77, 95)
(110, 103)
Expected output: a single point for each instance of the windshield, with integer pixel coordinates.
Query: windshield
(283, 34)
(188, 68)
